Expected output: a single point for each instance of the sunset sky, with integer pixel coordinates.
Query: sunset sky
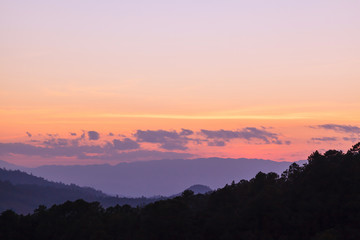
(85, 82)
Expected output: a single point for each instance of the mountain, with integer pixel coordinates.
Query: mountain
(199, 189)
(160, 177)
(10, 166)
(195, 189)
(319, 200)
(17, 177)
(23, 193)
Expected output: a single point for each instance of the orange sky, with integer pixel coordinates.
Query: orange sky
(125, 66)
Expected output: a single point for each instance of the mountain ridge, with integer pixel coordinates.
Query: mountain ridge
(158, 177)
(23, 193)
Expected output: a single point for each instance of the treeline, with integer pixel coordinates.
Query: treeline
(320, 200)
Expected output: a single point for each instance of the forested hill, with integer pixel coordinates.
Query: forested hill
(17, 177)
(23, 193)
(320, 200)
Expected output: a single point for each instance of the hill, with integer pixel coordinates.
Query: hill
(23, 193)
(199, 189)
(4, 164)
(160, 177)
(319, 200)
(17, 177)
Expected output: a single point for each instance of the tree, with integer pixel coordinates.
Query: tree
(355, 149)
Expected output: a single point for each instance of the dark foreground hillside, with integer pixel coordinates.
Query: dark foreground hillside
(320, 200)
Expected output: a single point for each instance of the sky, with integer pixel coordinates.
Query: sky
(91, 82)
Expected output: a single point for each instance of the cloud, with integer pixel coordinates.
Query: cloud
(158, 136)
(106, 152)
(29, 134)
(223, 134)
(82, 135)
(186, 132)
(138, 155)
(17, 148)
(248, 133)
(126, 144)
(53, 151)
(56, 142)
(110, 134)
(169, 140)
(325, 139)
(339, 128)
(174, 145)
(170, 143)
(124, 148)
(93, 135)
(216, 143)
(351, 139)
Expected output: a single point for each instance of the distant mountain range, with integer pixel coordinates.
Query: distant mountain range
(23, 193)
(156, 178)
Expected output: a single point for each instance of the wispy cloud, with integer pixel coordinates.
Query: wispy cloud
(169, 140)
(205, 117)
(351, 139)
(324, 139)
(248, 133)
(56, 142)
(53, 151)
(216, 143)
(339, 128)
(108, 151)
(167, 143)
(126, 144)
